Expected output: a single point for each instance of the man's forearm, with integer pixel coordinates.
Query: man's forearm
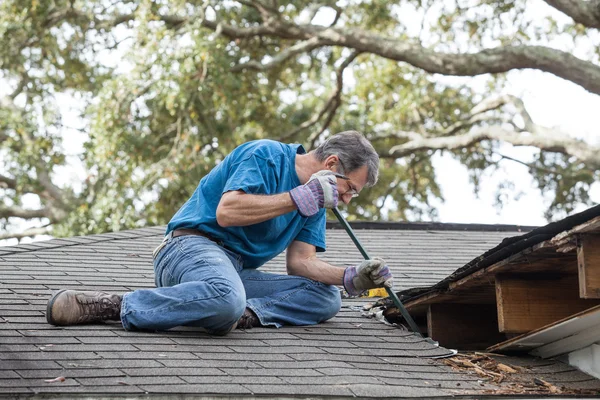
(317, 270)
(242, 209)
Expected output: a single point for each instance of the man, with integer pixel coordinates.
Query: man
(263, 198)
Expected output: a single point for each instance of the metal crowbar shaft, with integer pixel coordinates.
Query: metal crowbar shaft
(389, 291)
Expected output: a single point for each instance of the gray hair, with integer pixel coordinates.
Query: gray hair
(354, 151)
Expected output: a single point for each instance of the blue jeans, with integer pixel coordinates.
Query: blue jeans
(202, 284)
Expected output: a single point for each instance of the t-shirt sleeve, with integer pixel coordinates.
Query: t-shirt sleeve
(253, 174)
(313, 231)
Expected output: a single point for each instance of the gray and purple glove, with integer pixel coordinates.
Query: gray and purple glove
(319, 192)
(369, 274)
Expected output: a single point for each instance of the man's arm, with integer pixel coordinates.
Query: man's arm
(237, 208)
(301, 260)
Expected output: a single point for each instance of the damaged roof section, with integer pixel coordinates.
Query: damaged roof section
(507, 297)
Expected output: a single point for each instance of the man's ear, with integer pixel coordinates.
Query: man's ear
(332, 161)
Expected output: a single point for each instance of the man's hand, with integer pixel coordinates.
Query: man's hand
(319, 192)
(367, 275)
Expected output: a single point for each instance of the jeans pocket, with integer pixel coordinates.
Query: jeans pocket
(163, 266)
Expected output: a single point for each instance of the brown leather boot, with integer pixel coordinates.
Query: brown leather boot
(71, 307)
(248, 320)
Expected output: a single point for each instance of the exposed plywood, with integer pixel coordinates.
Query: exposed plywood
(526, 303)
(588, 260)
(463, 326)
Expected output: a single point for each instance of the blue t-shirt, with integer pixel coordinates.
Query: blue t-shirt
(259, 167)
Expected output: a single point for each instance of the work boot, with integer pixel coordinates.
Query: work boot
(71, 307)
(248, 320)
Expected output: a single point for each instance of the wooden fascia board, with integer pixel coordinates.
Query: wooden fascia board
(551, 333)
(527, 302)
(588, 265)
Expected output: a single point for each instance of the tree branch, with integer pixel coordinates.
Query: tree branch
(301, 47)
(7, 183)
(496, 60)
(336, 97)
(43, 176)
(17, 212)
(547, 140)
(332, 104)
(31, 232)
(528, 165)
(586, 13)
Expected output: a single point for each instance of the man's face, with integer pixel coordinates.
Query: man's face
(351, 187)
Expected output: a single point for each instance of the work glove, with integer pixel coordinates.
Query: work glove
(319, 192)
(369, 274)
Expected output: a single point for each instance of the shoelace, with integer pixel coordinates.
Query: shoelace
(97, 309)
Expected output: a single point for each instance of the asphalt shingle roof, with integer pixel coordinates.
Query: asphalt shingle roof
(348, 356)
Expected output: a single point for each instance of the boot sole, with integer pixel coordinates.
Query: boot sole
(51, 304)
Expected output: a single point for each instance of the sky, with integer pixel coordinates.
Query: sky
(551, 101)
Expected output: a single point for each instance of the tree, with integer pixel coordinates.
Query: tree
(197, 78)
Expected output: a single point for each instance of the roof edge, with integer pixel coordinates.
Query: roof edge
(432, 226)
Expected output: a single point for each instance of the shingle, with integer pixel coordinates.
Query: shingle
(183, 348)
(92, 347)
(32, 383)
(378, 391)
(88, 389)
(126, 340)
(69, 373)
(332, 380)
(433, 383)
(130, 380)
(300, 390)
(262, 380)
(277, 350)
(103, 363)
(54, 355)
(247, 356)
(14, 391)
(147, 355)
(7, 374)
(197, 388)
(270, 372)
(303, 364)
(27, 364)
(178, 371)
(210, 363)
(43, 340)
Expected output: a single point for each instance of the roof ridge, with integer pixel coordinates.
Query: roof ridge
(57, 243)
(429, 225)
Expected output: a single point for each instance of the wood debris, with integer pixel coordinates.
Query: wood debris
(57, 379)
(510, 379)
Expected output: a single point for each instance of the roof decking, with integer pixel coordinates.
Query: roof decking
(349, 356)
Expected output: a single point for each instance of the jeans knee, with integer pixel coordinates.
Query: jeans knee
(233, 306)
(331, 302)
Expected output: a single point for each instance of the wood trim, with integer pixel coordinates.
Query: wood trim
(530, 340)
(528, 302)
(588, 263)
